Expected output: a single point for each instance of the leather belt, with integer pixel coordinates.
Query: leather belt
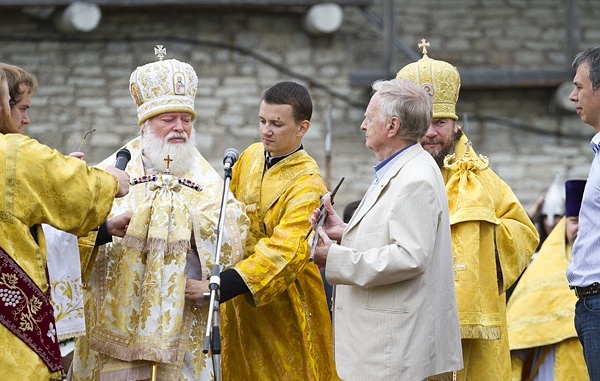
(592, 289)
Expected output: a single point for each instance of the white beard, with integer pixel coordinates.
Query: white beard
(156, 150)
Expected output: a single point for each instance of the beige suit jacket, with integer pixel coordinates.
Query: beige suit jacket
(395, 315)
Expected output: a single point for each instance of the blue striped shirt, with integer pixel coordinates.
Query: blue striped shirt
(584, 268)
(382, 167)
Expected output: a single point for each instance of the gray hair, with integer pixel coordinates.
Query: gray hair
(590, 56)
(403, 99)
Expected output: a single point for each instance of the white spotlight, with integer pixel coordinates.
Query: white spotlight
(323, 18)
(79, 16)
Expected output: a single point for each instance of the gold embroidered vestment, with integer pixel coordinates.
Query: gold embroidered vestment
(493, 239)
(36, 186)
(282, 329)
(135, 307)
(541, 310)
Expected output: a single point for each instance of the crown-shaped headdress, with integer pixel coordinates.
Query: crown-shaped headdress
(554, 201)
(163, 86)
(438, 78)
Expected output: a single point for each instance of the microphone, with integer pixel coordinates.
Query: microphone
(230, 157)
(123, 157)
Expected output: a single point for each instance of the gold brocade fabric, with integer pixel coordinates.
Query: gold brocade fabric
(40, 185)
(150, 280)
(492, 237)
(282, 330)
(541, 310)
(439, 79)
(141, 299)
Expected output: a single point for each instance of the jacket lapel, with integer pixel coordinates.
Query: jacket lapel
(369, 200)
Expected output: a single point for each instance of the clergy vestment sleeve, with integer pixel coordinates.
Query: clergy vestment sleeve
(278, 259)
(51, 177)
(276, 251)
(516, 236)
(40, 185)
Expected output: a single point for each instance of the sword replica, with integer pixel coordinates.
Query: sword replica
(321, 220)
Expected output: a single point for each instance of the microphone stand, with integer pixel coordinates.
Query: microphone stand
(212, 339)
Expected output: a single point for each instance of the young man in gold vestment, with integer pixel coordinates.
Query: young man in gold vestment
(493, 238)
(39, 185)
(540, 314)
(140, 319)
(276, 324)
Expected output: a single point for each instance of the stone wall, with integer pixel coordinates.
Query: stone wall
(237, 54)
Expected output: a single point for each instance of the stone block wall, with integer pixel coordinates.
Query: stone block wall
(238, 54)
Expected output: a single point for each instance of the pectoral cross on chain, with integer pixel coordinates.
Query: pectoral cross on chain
(458, 267)
(167, 160)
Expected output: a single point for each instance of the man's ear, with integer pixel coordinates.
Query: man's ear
(303, 128)
(394, 127)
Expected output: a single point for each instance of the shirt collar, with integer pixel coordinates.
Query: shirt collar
(382, 167)
(595, 143)
(272, 160)
(385, 162)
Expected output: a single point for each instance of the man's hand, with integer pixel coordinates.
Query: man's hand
(77, 154)
(536, 209)
(320, 254)
(117, 225)
(123, 178)
(195, 289)
(333, 225)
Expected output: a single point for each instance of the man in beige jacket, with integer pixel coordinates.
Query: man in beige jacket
(394, 314)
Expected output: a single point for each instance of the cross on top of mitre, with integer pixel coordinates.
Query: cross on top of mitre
(424, 44)
(160, 51)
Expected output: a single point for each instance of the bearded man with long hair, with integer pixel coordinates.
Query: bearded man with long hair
(139, 318)
(493, 238)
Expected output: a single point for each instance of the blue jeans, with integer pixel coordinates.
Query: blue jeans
(587, 324)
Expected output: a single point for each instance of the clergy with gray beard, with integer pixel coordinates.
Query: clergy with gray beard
(139, 321)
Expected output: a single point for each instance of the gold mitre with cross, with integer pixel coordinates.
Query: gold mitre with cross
(163, 86)
(438, 78)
